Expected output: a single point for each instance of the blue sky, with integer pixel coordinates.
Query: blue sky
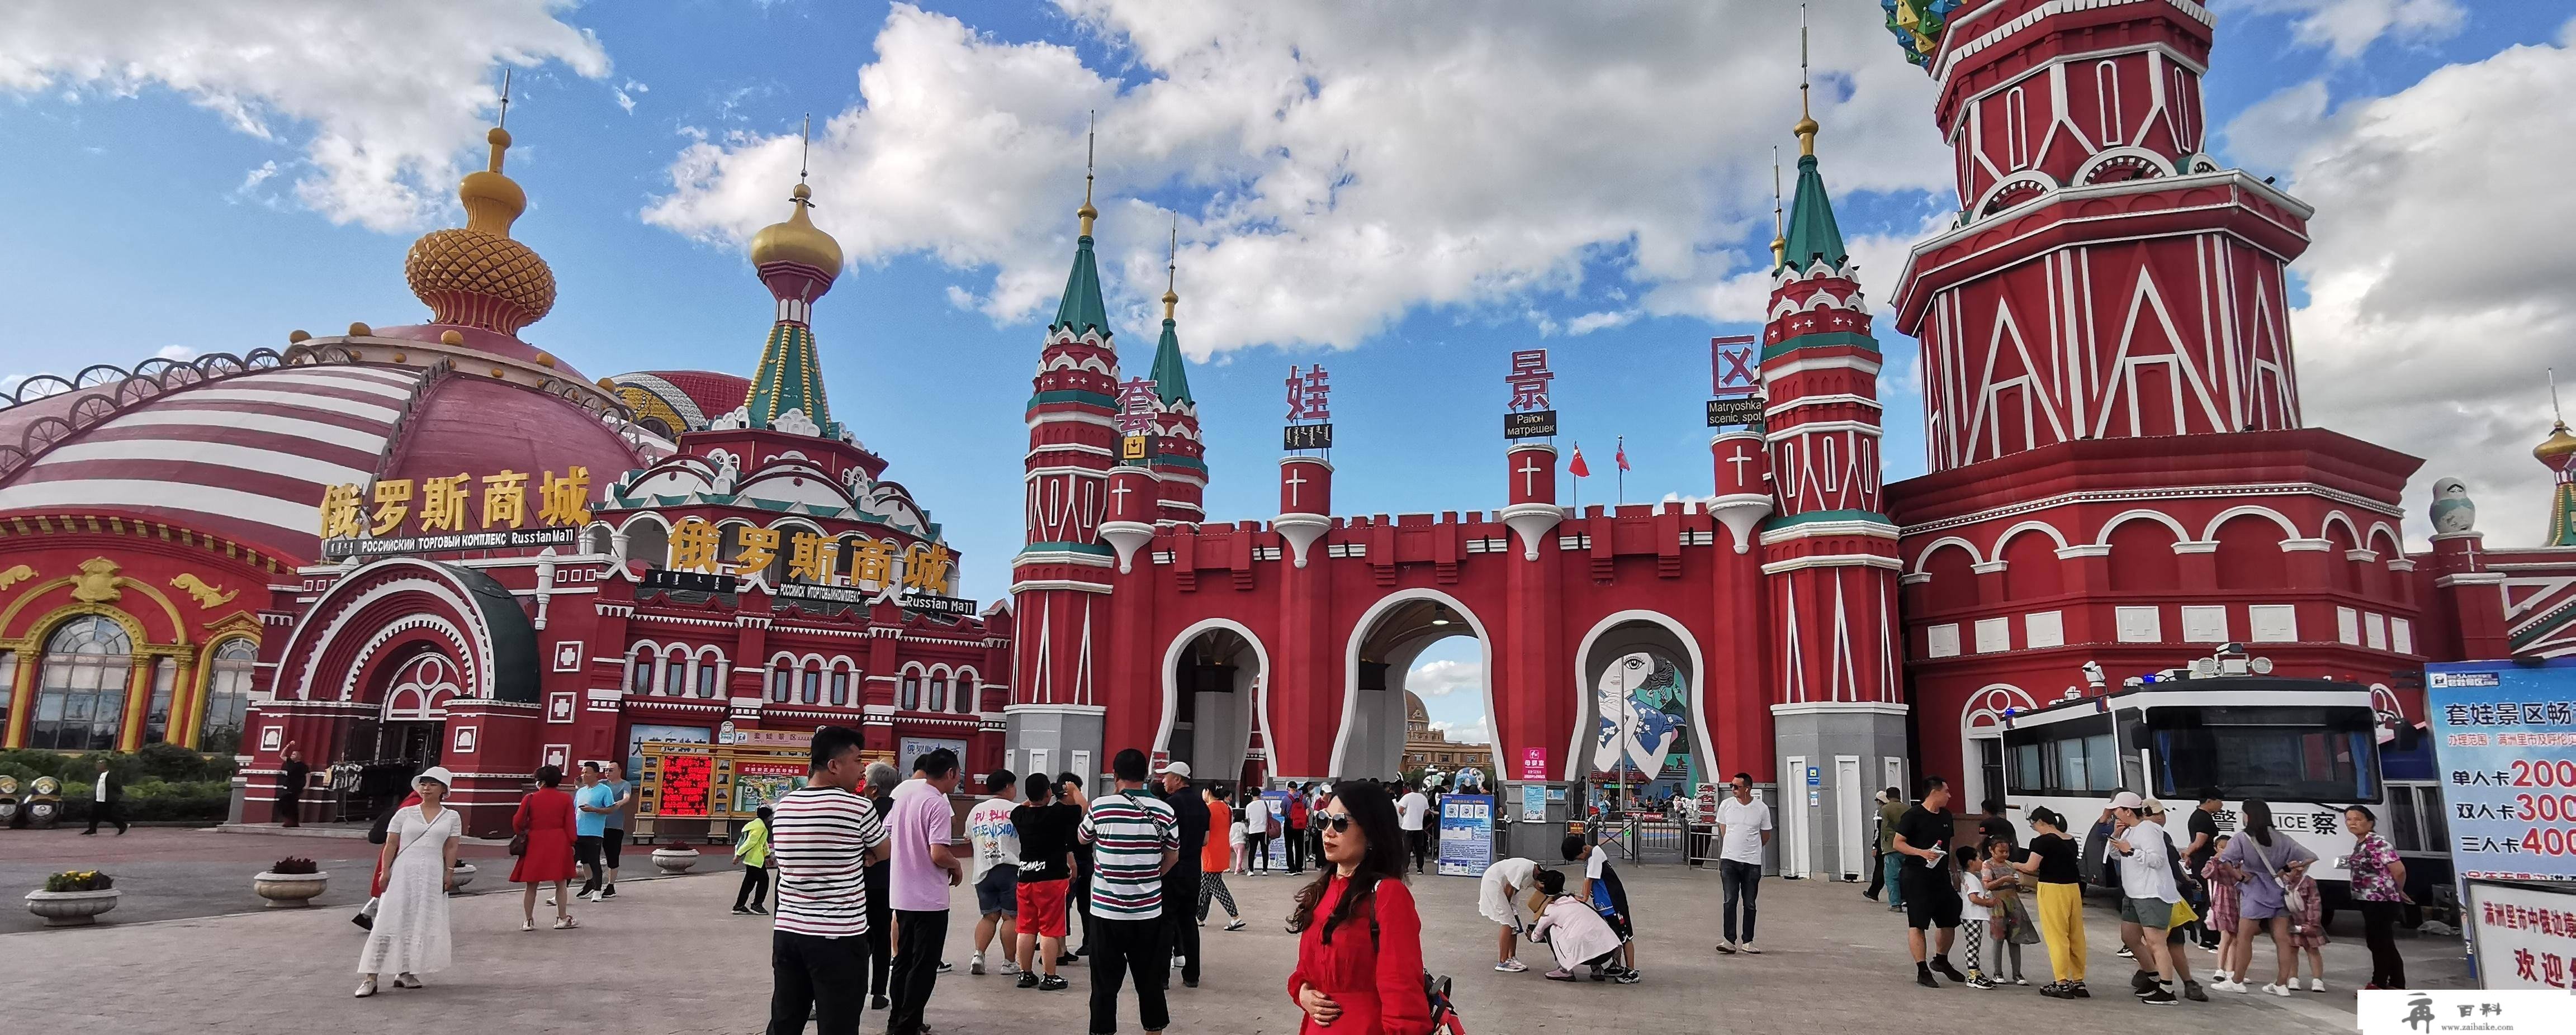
(172, 200)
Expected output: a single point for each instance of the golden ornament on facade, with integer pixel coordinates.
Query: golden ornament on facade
(15, 574)
(207, 596)
(96, 583)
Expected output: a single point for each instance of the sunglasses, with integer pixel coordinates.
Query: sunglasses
(1338, 822)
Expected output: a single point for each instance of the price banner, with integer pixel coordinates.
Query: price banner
(2505, 737)
(1466, 834)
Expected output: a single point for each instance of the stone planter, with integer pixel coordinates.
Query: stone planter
(672, 859)
(289, 890)
(463, 875)
(71, 908)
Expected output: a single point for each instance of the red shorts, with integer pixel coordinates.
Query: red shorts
(1042, 907)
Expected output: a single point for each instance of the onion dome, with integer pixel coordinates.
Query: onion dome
(797, 240)
(2555, 449)
(476, 276)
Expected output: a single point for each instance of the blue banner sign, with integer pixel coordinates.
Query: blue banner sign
(2505, 737)
(1466, 834)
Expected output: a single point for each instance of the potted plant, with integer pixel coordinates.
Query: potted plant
(674, 858)
(461, 876)
(290, 883)
(73, 897)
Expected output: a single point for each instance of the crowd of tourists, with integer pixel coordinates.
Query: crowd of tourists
(2177, 891)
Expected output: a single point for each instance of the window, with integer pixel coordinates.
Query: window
(841, 688)
(707, 676)
(1941, 641)
(2274, 753)
(938, 701)
(8, 683)
(780, 677)
(675, 675)
(2077, 756)
(813, 685)
(80, 696)
(639, 670)
(911, 692)
(1990, 765)
(965, 695)
(156, 716)
(228, 682)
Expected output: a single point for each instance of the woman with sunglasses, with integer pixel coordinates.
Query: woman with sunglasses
(1359, 944)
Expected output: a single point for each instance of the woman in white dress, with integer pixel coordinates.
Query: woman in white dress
(411, 935)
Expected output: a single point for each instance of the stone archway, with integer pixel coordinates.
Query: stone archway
(1383, 645)
(1216, 706)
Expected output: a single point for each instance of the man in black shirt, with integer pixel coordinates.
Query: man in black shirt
(2203, 827)
(1047, 843)
(1181, 882)
(1923, 838)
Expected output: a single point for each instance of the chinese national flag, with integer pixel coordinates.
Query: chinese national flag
(1578, 468)
(1623, 456)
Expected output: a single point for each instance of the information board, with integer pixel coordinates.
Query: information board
(2525, 936)
(1466, 834)
(2505, 737)
(1278, 849)
(1533, 803)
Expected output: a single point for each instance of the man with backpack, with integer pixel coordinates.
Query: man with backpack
(2147, 895)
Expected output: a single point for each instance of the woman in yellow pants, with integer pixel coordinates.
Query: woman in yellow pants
(2052, 859)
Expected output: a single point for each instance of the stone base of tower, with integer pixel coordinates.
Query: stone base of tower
(1833, 757)
(1056, 738)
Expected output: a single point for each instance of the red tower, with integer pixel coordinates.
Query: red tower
(2111, 409)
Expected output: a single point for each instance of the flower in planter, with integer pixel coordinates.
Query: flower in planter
(295, 864)
(79, 880)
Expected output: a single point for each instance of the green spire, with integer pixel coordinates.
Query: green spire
(1812, 231)
(790, 378)
(1082, 307)
(1171, 375)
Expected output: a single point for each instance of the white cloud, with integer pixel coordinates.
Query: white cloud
(2277, 129)
(1445, 676)
(2437, 280)
(1337, 167)
(1590, 322)
(1475, 733)
(2348, 27)
(626, 94)
(380, 97)
(176, 352)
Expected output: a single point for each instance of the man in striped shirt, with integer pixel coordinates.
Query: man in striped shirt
(1135, 837)
(821, 838)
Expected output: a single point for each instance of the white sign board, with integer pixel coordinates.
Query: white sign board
(2525, 935)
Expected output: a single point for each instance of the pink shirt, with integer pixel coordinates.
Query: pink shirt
(921, 817)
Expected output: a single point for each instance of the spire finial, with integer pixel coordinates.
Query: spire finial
(805, 144)
(504, 121)
(1806, 127)
(1172, 271)
(2559, 414)
(499, 137)
(1779, 229)
(1090, 153)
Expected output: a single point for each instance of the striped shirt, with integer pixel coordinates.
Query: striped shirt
(1129, 832)
(819, 838)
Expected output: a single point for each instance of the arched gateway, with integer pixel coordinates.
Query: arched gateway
(1753, 631)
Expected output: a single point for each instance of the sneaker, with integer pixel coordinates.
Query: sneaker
(881, 1003)
(2054, 990)
(1726, 947)
(1941, 965)
(2159, 997)
(2127, 953)
(1749, 950)
(1237, 925)
(2316, 984)
(2191, 990)
(740, 910)
(2022, 981)
(975, 966)
(1009, 966)
(756, 910)
(2141, 981)
(1979, 982)
(946, 967)
(608, 892)
(1629, 977)
(1923, 977)
(1063, 960)
(1562, 974)
(1028, 980)
(1511, 966)
(2076, 990)
(1052, 983)
(2280, 990)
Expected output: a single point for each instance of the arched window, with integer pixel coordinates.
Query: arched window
(938, 701)
(228, 682)
(156, 715)
(639, 669)
(965, 694)
(649, 542)
(911, 692)
(813, 673)
(840, 687)
(707, 671)
(80, 698)
(675, 673)
(781, 675)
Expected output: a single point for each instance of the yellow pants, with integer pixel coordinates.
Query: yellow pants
(2061, 923)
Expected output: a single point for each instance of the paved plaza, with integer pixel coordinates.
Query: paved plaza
(667, 957)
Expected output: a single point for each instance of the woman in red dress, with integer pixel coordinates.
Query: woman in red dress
(545, 817)
(1359, 943)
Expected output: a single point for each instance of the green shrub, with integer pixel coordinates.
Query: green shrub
(295, 864)
(79, 880)
(156, 801)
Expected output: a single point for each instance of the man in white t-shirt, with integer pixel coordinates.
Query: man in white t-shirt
(2147, 895)
(995, 870)
(1411, 812)
(1256, 832)
(1743, 830)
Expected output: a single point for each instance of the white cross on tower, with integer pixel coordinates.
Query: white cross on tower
(1293, 480)
(1739, 460)
(1121, 492)
(1529, 474)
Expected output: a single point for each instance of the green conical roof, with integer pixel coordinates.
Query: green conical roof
(790, 378)
(1171, 375)
(1812, 232)
(1082, 307)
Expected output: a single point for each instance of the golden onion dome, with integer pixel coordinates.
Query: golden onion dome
(2557, 446)
(797, 240)
(475, 275)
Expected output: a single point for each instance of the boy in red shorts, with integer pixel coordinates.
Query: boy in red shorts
(1046, 827)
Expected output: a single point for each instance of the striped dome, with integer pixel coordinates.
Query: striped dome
(682, 400)
(247, 455)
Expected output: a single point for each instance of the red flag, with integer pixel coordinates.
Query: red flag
(1577, 468)
(1623, 456)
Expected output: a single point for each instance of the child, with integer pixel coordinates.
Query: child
(2307, 935)
(1234, 838)
(2222, 880)
(2012, 926)
(1574, 931)
(1976, 909)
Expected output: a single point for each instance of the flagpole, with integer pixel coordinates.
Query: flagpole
(1578, 483)
(1621, 461)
